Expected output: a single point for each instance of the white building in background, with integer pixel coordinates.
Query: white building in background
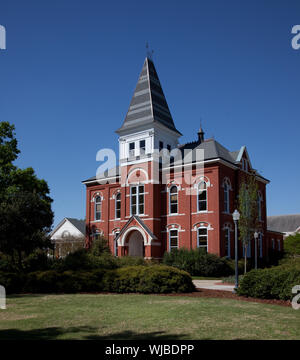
(68, 236)
(287, 224)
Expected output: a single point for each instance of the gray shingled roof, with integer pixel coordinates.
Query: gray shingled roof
(141, 222)
(212, 150)
(148, 104)
(110, 173)
(79, 224)
(284, 223)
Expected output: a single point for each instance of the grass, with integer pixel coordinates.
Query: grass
(101, 316)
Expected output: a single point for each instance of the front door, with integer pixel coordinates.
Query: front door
(136, 244)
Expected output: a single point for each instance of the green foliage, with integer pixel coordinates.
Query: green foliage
(273, 283)
(248, 209)
(292, 245)
(131, 261)
(136, 279)
(197, 262)
(99, 247)
(25, 206)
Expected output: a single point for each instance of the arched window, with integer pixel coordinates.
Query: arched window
(202, 238)
(97, 208)
(118, 206)
(173, 200)
(227, 241)
(96, 234)
(202, 196)
(259, 204)
(226, 196)
(66, 234)
(173, 239)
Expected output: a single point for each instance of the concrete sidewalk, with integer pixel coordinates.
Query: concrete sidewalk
(212, 285)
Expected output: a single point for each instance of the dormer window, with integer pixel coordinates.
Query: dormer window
(131, 149)
(142, 147)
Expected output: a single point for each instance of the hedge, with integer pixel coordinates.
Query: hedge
(198, 262)
(273, 283)
(137, 279)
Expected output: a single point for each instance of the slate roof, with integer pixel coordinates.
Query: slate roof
(212, 150)
(284, 223)
(110, 173)
(148, 104)
(79, 224)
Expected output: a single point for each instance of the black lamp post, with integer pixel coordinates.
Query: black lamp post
(236, 218)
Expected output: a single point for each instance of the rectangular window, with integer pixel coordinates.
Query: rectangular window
(131, 149)
(142, 147)
(278, 242)
(118, 206)
(169, 147)
(248, 249)
(202, 200)
(137, 200)
(173, 239)
(202, 238)
(161, 145)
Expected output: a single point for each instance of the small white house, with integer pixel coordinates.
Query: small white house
(287, 224)
(68, 236)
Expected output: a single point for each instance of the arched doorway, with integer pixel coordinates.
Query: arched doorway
(136, 244)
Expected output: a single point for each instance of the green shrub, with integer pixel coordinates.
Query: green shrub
(131, 261)
(198, 262)
(273, 283)
(151, 279)
(137, 279)
(292, 245)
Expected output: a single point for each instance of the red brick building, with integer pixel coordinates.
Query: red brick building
(151, 203)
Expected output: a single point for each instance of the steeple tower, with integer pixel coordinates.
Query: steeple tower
(201, 134)
(148, 121)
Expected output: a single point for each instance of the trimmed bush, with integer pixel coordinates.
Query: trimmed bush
(137, 279)
(273, 283)
(198, 262)
(152, 279)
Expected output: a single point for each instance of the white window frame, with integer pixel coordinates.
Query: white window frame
(137, 204)
(171, 236)
(198, 193)
(131, 152)
(177, 203)
(95, 210)
(116, 202)
(142, 149)
(198, 236)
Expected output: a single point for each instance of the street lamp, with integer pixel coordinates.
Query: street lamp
(236, 218)
(255, 247)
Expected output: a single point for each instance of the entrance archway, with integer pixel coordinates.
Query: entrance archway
(136, 244)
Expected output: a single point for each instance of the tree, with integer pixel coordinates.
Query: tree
(248, 208)
(25, 205)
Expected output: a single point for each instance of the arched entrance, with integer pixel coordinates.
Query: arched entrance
(135, 242)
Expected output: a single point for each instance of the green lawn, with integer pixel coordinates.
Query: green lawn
(97, 316)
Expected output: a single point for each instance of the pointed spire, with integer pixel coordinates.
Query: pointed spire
(201, 133)
(148, 104)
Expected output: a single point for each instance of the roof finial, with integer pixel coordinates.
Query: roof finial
(201, 133)
(149, 53)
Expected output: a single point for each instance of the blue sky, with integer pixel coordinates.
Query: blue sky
(70, 68)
